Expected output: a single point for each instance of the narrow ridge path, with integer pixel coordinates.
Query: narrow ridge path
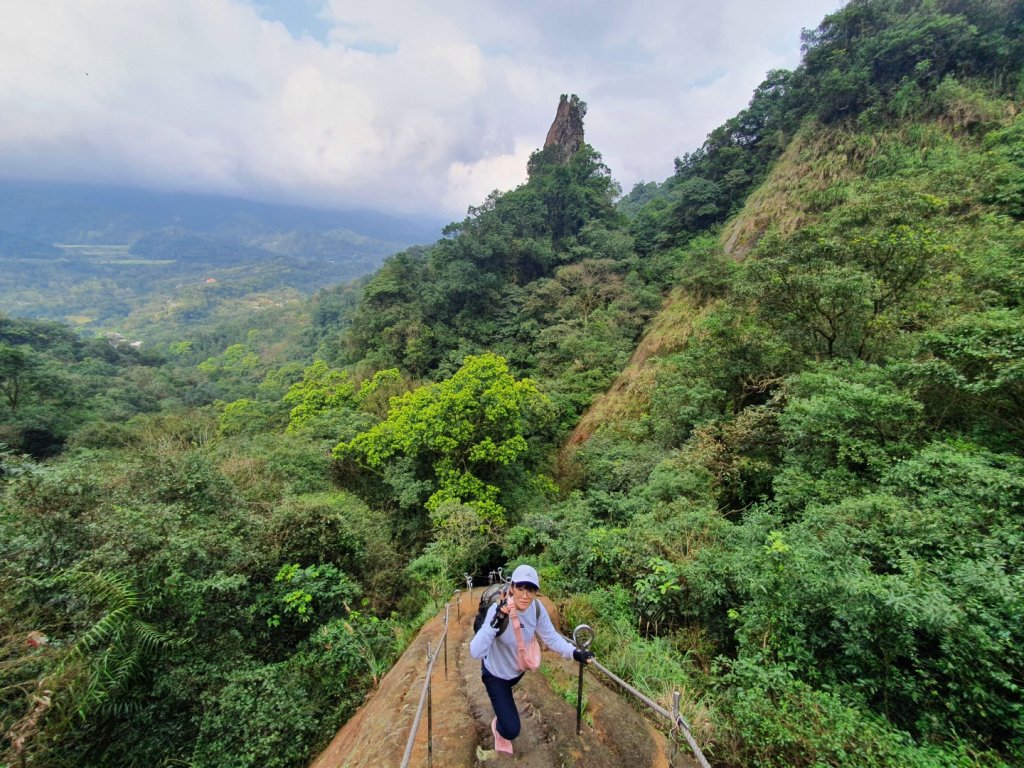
(614, 735)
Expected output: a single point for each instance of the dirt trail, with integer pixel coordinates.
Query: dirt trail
(615, 735)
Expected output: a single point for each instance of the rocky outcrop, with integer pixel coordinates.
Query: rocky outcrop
(566, 132)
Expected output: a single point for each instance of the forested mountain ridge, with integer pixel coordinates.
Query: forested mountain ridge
(801, 507)
(827, 169)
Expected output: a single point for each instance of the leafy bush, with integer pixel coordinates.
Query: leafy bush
(261, 716)
(780, 722)
(842, 427)
(280, 714)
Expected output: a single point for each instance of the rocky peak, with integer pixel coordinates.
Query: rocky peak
(566, 131)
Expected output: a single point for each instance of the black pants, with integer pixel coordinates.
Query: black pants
(500, 692)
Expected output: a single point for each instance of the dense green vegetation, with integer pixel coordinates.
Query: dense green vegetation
(803, 509)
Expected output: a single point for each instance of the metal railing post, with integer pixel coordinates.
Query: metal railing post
(676, 717)
(582, 637)
(430, 715)
(446, 640)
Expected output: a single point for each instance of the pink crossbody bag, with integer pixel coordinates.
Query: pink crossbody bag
(528, 656)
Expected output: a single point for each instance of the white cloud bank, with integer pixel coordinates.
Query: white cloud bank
(411, 106)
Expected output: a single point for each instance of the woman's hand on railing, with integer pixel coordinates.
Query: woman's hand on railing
(583, 656)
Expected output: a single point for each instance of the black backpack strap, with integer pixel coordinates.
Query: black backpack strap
(504, 622)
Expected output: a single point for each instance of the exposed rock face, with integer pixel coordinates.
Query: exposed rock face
(566, 131)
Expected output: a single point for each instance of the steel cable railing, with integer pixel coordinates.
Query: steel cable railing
(678, 721)
(425, 695)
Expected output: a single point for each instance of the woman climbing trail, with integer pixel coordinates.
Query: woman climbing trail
(506, 656)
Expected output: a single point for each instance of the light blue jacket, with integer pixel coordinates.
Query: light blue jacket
(499, 653)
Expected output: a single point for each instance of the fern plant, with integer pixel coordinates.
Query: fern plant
(108, 655)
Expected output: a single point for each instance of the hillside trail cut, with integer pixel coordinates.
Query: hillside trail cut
(614, 734)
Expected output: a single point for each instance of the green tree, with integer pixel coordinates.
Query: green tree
(843, 427)
(699, 204)
(15, 373)
(321, 390)
(970, 373)
(328, 402)
(862, 54)
(573, 193)
(847, 288)
(449, 441)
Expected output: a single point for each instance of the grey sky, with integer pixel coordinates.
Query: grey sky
(417, 106)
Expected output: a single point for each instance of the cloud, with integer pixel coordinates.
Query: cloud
(400, 105)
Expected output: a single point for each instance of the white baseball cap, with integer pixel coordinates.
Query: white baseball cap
(526, 574)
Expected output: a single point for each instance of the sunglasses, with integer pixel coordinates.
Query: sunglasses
(526, 587)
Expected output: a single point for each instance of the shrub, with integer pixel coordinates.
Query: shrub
(261, 717)
(777, 721)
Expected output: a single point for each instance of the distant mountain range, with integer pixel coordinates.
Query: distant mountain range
(51, 212)
(65, 249)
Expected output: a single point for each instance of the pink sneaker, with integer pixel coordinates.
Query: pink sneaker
(500, 742)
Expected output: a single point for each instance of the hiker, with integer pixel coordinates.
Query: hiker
(507, 655)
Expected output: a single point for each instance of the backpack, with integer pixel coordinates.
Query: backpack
(493, 594)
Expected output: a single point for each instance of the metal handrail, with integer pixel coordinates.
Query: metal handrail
(425, 696)
(678, 721)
